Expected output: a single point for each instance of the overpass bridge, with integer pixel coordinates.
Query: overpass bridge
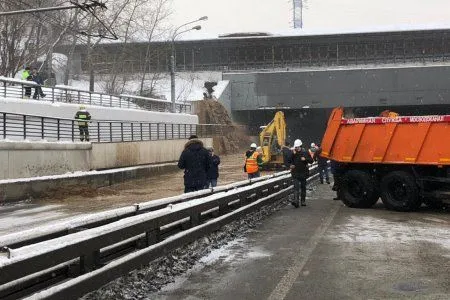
(269, 52)
(305, 75)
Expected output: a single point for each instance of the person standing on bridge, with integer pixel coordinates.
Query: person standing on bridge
(253, 162)
(26, 75)
(83, 117)
(39, 80)
(300, 171)
(196, 161)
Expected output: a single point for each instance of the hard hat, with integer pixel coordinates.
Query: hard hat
(253, 145)
(298, 143)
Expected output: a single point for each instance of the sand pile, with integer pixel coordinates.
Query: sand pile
(231, 137)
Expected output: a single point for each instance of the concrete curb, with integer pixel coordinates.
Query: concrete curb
(35, 189)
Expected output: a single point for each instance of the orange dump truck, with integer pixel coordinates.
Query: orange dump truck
(405, 160)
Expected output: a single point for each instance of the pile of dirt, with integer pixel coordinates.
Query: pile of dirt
(231, 137)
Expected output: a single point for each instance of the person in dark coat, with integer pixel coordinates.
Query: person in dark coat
(39, 80)
(322, 163)
(213, 172)
(196, 161)
(287, 153)
(337, 169)
(300, 171)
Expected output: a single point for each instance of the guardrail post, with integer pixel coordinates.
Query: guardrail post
(101, 99)
(140, 124)
(73, 131)
(120, 101)
(42, 128)
(53, 94)
(121, 130)
(179, 131)
(4, 125)
(57, 128)
(152, 237)
(90, 98)
(165, 131)
(89, 262)
(185, 131)
(110, 101)
(79, 97)
(157, 131)
(150, 131)
(98, 132)
(195, 218)
(132, 132)
(24, 127)
(110, 132)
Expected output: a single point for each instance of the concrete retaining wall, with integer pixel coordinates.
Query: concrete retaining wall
(33, 188)
(24, 159)
(114, 155)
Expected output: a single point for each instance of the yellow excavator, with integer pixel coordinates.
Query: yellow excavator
(272, 138)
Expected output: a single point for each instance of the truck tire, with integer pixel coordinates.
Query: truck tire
(400, 192)
(359, 189)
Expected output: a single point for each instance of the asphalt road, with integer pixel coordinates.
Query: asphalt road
(328, 251)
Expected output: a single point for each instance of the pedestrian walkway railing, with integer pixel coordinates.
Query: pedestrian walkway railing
(13, 88)
(31, 127)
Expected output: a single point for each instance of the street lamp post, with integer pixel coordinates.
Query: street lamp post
(172, 57)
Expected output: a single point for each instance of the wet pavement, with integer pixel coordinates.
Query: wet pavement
(327, 251)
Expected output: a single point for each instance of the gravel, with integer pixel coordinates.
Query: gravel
(162, 271)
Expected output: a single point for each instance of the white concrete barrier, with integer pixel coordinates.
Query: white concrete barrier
(24, 159)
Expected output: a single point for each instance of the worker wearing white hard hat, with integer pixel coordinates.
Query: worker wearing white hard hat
(253, 161)
(300, 172)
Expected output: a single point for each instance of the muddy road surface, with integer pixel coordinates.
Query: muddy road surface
(83, 200)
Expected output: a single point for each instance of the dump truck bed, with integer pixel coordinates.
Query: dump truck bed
(419, 140)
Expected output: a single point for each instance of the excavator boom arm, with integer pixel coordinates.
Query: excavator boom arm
(275, 131)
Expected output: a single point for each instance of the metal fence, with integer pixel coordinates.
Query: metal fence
(31, 127)
(13, 88)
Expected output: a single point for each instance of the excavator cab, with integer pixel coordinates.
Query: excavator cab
(272, 139)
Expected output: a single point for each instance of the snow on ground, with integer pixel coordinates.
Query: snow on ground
(25, 215)
(368, 229)
(189, 86)
(172, 268)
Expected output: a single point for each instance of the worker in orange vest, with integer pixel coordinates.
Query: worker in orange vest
(253, 162)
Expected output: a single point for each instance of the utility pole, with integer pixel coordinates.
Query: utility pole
(173, 58)
(298, 13)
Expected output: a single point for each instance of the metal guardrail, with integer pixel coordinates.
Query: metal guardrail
(32, 127)
(69, 266)
(13, 88)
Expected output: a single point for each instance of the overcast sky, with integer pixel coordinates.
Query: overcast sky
(227, 16)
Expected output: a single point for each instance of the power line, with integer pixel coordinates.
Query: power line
(85, 6)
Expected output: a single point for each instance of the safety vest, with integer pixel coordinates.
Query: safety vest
(251, 163)
(82, 116)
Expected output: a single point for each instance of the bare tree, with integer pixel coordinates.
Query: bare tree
(155, 30)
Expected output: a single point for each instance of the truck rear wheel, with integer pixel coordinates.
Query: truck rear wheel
(359, 189)
(400, 192)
